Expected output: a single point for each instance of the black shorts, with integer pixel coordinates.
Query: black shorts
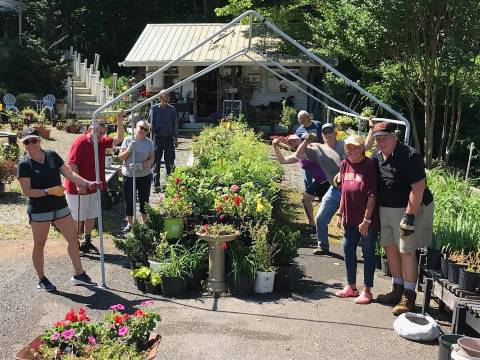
(317, 189)
(49, 216)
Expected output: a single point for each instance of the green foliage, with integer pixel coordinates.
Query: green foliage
(289, 116)
(345, 122)
(10, 152)
(263, 252)
(138, 244)
(142, 272)
(216, 229)
(243, 260)
(287, 242)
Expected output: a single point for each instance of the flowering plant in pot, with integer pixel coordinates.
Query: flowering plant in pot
(263, 253)
(119, 335)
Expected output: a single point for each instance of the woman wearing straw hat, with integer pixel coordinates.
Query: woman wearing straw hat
(358, 177)
(141, 169)
(39, 177)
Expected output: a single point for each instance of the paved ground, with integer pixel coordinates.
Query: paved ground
(308, 323)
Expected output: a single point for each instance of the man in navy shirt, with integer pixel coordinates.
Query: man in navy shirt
(165, 131)
(307, 125)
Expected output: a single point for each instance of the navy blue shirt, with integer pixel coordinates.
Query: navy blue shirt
(314, 128)
(164, 120)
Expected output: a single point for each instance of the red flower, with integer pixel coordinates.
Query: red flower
(125, 317)
(237, 200)
(60, 323)
(118, 318)
(177, 180)
(226, 197)
(71, 316)
(205, 226)
(218, 207)
(140, 313)
(224, 246)
(82, 315)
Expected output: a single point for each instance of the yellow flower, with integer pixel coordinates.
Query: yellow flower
(260, 206)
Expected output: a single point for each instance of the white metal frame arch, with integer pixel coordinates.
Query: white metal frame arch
(251, 14)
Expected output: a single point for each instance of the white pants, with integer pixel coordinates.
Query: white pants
(88, 206)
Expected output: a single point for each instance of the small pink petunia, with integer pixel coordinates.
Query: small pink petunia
(123, 331)
(68, 334)
(92, 340)
(146, 303)
(117, 307)
(55, 336)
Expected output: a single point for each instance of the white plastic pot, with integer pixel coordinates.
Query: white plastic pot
(108, 161)
(416, 327)
(264, 282)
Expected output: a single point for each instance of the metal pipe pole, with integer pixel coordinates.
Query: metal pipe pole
(469, 160)
(303, 81)
(134, 182)
(335, 71)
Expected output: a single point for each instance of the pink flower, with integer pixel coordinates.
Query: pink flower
(221, 217)
(146, 303)
(123, 331)
(92, 340)
(177, 180)
(55, 336)
(117, 307)
(234, 188)
(224, 246)
(68, 334)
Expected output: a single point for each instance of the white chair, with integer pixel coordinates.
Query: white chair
(10, 101)
(48, 103)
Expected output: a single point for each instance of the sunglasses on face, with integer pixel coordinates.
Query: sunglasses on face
(30, 141)
(144, 129)
(327, 132)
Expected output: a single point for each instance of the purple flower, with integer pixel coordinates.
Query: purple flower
(55, 336)
(92, 340)
(146, 303)
(68, 334)
(117, 307)
(123, 331)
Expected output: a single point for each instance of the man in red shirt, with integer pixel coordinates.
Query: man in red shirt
(81, 161)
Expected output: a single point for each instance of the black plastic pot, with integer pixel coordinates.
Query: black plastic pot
(445, 343)
(444, 268)
(433, 259)
(140, 284)
(283, 278)
(193, 282)
(468, 280)
(153, 289)
(378, 262)
(242, 286)
(173, 286)
(454, 272)
(385, 269)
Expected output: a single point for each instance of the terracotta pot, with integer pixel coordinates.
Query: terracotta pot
(26, 352)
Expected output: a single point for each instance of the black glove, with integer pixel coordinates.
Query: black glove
(407, 226)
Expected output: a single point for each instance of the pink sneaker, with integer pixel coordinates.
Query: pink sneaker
(347, 292)
(364, 298)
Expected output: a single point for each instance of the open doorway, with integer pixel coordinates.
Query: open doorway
(206, 91)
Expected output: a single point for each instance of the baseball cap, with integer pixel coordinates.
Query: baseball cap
(28, 133)
(356, 140)
(328, 126)
(383, 128)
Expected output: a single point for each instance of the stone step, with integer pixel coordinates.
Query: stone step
(78, 83)
(81, 90)
(79, 97)
(76, 78)
(86, 107)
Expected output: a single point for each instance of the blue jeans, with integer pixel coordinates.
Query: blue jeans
(350, 242)
(307, 178)
(328, 207)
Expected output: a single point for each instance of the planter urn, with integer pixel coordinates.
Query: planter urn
(216, 261)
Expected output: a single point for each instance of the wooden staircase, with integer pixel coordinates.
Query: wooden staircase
(85, 102)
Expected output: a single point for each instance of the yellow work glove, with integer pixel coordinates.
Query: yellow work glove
(56, 191)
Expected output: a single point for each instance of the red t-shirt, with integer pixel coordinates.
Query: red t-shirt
(81, 154)
(359, 182)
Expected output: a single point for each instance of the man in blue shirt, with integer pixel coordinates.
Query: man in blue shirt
(307, 125)
(165, 132)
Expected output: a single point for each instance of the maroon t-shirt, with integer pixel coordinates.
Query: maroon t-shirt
(359, 182)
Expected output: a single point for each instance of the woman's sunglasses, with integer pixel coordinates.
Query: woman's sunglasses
(144, 129)
(327, 132)
(28, 141)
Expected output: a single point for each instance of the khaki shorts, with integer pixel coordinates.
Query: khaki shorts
(390, 228)
(88, 206)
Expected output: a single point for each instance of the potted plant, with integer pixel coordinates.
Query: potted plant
(469, 276)
(158, 259)
(7, 172)
(174, 271)
(242, 275)
(263, 253)
(73, 127)
(195, 260)
(456, 261)
(344, 122)
(42, 126)
(174, 210)
(117, 336)
(286, 241)
(137, 245)
(141, 277)
(217, 235)
(154, 285)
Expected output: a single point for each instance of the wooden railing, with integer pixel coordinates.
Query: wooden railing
(90, 75)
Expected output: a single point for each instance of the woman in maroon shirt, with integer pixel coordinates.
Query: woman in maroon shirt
(358, 177)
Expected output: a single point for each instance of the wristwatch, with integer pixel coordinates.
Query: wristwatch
(367, 221)
(45, 191)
